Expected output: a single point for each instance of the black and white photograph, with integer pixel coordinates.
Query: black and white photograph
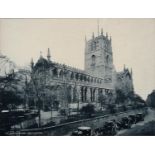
(77, 77)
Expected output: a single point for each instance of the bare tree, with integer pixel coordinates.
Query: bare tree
(8, 91)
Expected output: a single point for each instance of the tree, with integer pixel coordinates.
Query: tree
(124, 107)
(37, 92)
(8, 92)
(40, 90)
(138, 98)
(89, 109)
(151, 99)
(120, 96)
(102, 99)
(111, 108)
(10, 100)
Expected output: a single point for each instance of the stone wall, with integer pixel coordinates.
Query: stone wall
(67, 128)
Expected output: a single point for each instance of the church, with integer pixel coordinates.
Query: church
(60, 86)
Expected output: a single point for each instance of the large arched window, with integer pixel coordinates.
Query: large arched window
(72, 76)
(93, 60)
(76, 76)
(61, 74)
(107, 59)
(55, 72)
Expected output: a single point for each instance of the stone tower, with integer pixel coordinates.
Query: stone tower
(99, 57)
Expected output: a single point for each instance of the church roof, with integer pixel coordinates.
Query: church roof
(124, 73)
(42, 62)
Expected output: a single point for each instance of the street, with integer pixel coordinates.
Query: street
(147, 127)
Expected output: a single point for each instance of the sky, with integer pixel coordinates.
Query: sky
(133, 43)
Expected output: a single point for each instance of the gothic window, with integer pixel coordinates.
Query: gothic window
(72, 76)
(66, 74)
(55, 72)
(68, 94)
(93, 95)
(81, 77)
(85, 78)
(107, 59)
(77, 76)
(93, 60)
(75, 99)
(85, 94)
(61, 74)
(82, 94)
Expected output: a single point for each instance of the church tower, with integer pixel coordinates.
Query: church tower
(99, 57)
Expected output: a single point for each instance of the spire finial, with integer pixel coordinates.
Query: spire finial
(93, 35)
(31, 60)
(110, 39)
(131, 71)
(98, 26)
(41, 54)
(48, 54)
(102, 31)
(124, 67)
(32, 63)
(107, 34)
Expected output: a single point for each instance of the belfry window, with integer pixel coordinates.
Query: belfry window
(93, 60)
(93, 45)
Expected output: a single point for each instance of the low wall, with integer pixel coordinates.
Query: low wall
(67, 128)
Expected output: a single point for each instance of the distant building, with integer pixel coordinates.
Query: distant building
(124, 81)
(151, 99)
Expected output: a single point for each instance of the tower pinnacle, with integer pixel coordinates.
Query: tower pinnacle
(124, 67)
(85, 39)
(41, 54)
(110, 39)
(48, 54)
(32, 63)
(98, 26)
(107, 34)
(102, 31)
(93, 35)
(131, 71)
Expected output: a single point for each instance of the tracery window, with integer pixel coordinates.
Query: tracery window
(93, 60)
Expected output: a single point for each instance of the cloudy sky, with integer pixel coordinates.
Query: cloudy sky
(133, 42)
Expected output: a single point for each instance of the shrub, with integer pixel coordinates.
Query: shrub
(112, 108)
(88, 110)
